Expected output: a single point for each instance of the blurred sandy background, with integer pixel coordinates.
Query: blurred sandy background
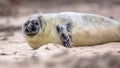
(15, 52)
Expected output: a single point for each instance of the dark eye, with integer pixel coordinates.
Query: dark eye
(25, 24)
(36, 23)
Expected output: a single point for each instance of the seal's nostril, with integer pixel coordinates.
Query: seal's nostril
(32, 28)
(26, 30)
(29, 29)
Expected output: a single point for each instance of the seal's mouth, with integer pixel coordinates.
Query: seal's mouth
(31, 33)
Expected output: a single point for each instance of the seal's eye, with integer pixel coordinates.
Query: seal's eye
(25, 24)
(36, 23)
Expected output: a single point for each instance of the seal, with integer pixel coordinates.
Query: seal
(70, 29)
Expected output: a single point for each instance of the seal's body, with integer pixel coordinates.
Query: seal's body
(73, 29)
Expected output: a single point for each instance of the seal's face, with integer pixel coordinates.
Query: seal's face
(31, 27)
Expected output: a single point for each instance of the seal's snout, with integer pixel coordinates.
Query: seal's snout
(31, 28)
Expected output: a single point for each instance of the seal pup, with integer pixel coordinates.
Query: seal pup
(70, 29)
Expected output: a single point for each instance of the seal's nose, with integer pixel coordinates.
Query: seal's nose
(30, 28)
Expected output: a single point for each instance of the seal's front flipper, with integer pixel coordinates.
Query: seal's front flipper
(65, 34)
(66, 40)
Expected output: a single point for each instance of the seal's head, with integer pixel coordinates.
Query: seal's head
(32, 26)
